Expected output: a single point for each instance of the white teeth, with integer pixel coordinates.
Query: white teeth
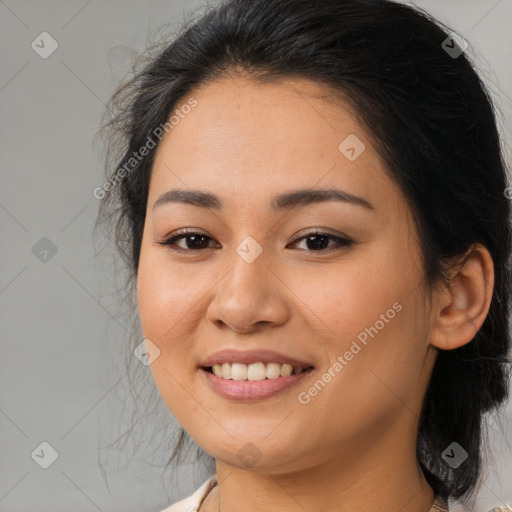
(226, 371)
(239, 371)
(255, 371)
(286, 370)
(273, 370)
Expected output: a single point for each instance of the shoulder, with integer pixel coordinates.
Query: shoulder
(191, 503)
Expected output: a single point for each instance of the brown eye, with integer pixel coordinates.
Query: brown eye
(317, 241)
(194, 241)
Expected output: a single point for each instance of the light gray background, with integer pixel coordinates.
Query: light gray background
(62, 376)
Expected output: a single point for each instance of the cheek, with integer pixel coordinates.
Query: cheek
(369, 310)
(165, 301)
(165, 293)
(379, 318)
(165, 308)
(352, 295)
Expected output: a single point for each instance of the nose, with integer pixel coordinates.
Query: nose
(250, 297)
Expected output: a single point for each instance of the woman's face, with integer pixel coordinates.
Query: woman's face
(354, 311)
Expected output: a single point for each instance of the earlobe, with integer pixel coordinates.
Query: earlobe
(461, 310)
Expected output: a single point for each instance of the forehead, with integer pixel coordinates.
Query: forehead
(272, 119)
(246, 138)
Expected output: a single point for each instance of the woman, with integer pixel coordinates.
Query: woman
(312, 200)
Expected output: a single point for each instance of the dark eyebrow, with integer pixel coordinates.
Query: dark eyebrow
(307, 196)
(288, 200)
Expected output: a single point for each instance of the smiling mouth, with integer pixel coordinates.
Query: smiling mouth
(257, 371)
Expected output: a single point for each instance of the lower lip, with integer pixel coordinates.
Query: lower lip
(246, 390)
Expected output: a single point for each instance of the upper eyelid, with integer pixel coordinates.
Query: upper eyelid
(299, 237)
(302, 233)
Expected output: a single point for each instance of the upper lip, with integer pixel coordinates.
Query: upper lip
(251, 356)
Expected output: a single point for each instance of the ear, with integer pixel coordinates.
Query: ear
(461, 310)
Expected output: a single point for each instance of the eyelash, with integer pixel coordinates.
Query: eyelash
(170, 242)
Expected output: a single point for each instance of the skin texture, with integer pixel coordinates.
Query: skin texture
(352, 447)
